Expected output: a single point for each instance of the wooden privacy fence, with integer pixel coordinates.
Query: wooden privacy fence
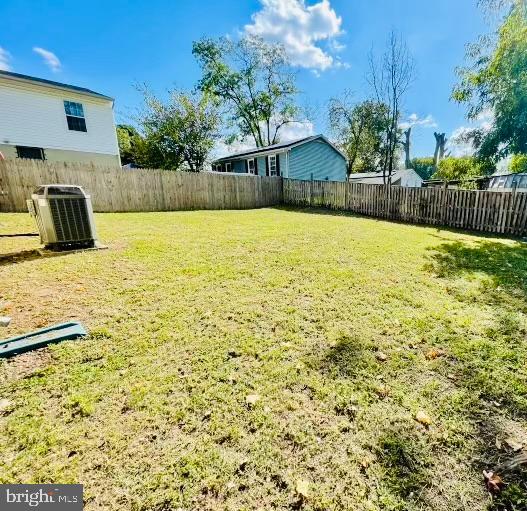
(494, 212)
(114, 189)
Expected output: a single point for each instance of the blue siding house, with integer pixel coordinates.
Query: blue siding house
(308, 158)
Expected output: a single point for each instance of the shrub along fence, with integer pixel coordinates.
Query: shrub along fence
(495, 212)
(113, 190)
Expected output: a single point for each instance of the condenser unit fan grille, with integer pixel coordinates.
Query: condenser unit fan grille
(71, 219)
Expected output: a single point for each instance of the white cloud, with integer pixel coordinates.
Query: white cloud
(296, 130)
(336, 46)
(5, 57)
(486, 119)
(222, 149)
(51, 60)
(415, 120)
(456, 146)
(300, 28)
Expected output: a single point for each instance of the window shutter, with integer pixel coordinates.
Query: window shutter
(246, 166)
(278, 165)
(267, 165)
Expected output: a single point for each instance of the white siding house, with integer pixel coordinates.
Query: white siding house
(41, 119)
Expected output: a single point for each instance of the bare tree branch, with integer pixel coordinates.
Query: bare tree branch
(390, 78)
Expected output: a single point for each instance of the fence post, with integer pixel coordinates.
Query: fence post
(5, 205)
(444, 204)
(311, 191)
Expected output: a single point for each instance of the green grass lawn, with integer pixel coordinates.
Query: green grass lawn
(269, 359)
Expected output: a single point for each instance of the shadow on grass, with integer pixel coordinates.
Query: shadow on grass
(493, 364)
(324, 211)
(505, 264)
(404, 460)
(399, 451)
(19, 257)
(37, 253)
(513, 496)
(493, 367)
(26, 255)
(490, 363)
(347, 356)
(401, 454)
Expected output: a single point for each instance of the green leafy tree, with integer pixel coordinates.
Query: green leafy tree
(423, 166)
(359, 131)
(136, 149)
(128, 139)
(462, 168)
(496, 81)
(254, 82)
(518, 163)
(179, 133)
(147, 154)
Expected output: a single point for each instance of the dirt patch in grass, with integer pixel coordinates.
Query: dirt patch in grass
(344, 331)
(27, 364)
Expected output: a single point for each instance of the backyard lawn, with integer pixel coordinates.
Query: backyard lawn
(269, 359)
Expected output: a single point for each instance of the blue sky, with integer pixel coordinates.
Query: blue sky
(108, 46)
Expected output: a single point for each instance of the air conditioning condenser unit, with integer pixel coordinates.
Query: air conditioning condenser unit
(64, 216)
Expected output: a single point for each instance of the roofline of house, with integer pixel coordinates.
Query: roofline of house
(508, 174)
(374, 175)
(380, 173)
(262, 151)
(55, 85)
(257, 152)
(476, 178)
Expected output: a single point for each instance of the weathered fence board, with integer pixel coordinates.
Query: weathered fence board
(113, 189)
(494, 212)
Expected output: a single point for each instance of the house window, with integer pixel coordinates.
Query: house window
(251, 166)
(228, 167)
(30, 153)
(273, 165)
(75, 116)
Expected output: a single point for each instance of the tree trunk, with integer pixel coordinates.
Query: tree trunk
(406, 145)
(442, 147)
(439, 152)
